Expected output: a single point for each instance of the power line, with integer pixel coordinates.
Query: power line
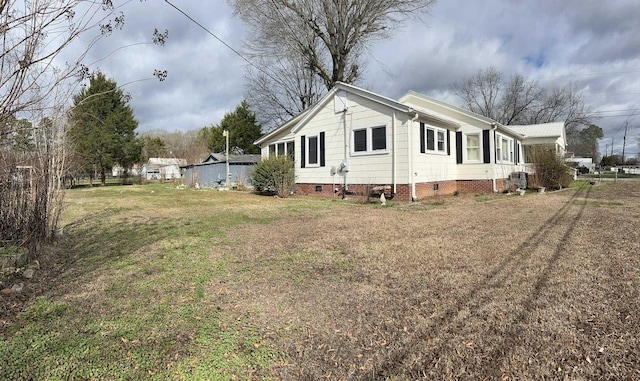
(221, 41)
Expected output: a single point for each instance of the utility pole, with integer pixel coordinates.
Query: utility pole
(612, 146)
(624, 140)
(225, 133)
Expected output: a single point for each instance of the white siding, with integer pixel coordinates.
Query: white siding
(376, 168)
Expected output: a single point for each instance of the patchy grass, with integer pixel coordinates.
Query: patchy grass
(159, 283)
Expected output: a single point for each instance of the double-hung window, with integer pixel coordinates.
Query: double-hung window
(433, 139)
(369, 140)
(473, 147)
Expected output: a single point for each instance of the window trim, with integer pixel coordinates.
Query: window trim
(436, 132)
(465, 147)
(369, 141)
(307, 163)
(499, 149)
(287, 143)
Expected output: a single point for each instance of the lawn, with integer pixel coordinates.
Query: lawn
(154, 282)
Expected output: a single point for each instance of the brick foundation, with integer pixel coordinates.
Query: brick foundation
(475, 186)
(403, 191)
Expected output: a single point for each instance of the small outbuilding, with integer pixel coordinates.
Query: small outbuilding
(212, 171)
(160, 168)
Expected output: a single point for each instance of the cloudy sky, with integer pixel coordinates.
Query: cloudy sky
(592, 43)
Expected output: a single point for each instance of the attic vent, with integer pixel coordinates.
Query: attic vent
(340, 102)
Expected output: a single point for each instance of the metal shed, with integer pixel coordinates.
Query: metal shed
(212, 171)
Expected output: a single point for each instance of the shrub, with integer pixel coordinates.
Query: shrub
(550, 170)
(274, 175)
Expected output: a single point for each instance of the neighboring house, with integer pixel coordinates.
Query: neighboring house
(118, 170)
(163, 168)
(213, 170)
(416, 147)
(581, 162)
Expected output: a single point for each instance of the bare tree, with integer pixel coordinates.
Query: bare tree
(281, 90)
(187, 145)
(34, 34)
(315, 38)
(522, 101)
(37, 80)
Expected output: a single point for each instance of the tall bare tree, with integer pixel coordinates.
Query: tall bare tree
(301, 45)
(281, 90)
(518, 100)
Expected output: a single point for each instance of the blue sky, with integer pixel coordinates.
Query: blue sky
(594, 45)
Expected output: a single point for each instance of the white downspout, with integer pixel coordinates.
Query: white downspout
(347, 137)
(411, 158)
(494, 127)
(395, 156)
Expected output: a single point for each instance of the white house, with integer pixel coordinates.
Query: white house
(158, 168)
(416, 147)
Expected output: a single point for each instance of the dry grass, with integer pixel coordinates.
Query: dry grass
(521, 288)
(535, 287)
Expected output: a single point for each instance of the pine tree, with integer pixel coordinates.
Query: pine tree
(103, 127)
(243, 131)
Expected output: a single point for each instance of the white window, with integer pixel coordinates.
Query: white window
(504, 149)
(369, 140)
(435, 140)
(281, 149)
(473, 147)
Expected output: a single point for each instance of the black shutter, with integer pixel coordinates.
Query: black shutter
(303, 153)
(486, 146)
(322, 149)
(422, 140)
(448, 142)
(517, 152)
(459, 147)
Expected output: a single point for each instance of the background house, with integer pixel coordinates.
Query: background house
(581, 162)
(213, 170)
(163, 168)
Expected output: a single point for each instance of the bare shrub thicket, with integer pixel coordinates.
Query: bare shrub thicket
(31, 185)
(34, 90)
(550, 169)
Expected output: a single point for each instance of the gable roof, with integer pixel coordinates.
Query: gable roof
(297, 122)
(233, 158)
(340, 86)
(288, 124)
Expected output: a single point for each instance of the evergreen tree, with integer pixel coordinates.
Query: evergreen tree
(103, 127)
(153, 147)
(243, 131)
